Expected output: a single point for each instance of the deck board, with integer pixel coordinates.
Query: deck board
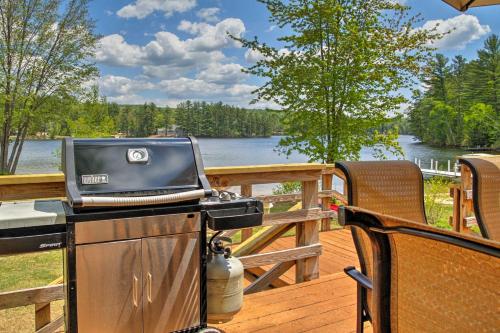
(327, 304)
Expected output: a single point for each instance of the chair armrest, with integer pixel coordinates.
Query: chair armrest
(355, 216)
(359, 277)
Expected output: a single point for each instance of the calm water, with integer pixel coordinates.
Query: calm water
(43, 157)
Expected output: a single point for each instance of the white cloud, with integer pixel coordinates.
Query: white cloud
(167, 49)
(186, 88)
(190, 88)
(271, 28)
(252, 56)
(222, 73)
(211, 37)
(176, 69)
(241, 90)
(209, 14)
(138, 99)
(114, 50)
(127, 99)
(192, 28)
(177, 90)
(463, 30)
(111, 85)
(142, 8)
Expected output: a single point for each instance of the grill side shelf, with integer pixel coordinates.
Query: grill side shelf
(234, 218)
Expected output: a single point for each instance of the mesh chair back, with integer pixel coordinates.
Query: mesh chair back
(387, 187)
(486, 193)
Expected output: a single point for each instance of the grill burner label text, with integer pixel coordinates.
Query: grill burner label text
(94, 179)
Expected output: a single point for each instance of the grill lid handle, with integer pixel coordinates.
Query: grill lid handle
(96, 201)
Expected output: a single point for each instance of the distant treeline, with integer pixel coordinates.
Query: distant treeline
(222, 120)
(97, 118)
(461, 103)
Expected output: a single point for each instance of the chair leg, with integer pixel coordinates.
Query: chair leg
(359, 310)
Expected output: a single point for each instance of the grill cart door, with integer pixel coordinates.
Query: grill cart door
(171, 294)
(109, 287)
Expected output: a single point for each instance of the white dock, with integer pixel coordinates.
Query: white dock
(430, 172)
(451, 172)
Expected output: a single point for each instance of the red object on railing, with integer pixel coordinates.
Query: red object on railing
(334, 207)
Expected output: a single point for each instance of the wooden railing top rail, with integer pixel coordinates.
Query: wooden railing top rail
(32, 179)
(37, 186)
(209, 171)
(229, 170)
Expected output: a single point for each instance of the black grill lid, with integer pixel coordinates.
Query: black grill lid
(132, 167)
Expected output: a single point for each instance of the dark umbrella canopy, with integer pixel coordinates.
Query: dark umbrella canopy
(463, 5)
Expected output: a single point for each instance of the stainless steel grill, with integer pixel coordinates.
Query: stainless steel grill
(136, 234)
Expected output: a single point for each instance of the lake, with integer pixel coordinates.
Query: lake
(41, 156)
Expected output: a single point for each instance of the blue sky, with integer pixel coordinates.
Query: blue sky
(167, 51)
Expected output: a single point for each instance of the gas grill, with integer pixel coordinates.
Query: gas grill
(137, 216)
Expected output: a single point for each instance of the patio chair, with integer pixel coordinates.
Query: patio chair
(427, 279)
(388, 187)
(485, 193)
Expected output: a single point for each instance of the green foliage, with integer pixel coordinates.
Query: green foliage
(435, 196)
(287, 188)
(95, 117)
(481, 126)
(46, 51)
(461, 104)
(91, 119)
(221, 120)
(340, 72)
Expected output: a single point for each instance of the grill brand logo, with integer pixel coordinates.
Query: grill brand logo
(94, 179)
(137, 155)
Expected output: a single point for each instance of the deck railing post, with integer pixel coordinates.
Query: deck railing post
(465, 201)
(326, 185)
(42, 315)
(307, 233)
(455, 218)
(246, 191)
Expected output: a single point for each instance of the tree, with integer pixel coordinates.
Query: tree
(485, 71)
(436, 75)
(481, 124)
(46, 47)
(460, 104)
(92, 117)
(340, 72)
(458, 92)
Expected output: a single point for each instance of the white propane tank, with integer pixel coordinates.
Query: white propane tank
(224, 283)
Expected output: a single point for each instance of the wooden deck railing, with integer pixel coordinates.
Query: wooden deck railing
(307, 221)
(463, 209)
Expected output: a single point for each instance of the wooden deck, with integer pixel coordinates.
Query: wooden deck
(327, 304)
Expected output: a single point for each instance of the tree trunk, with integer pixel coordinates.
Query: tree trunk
(5, 139)
(17, 153)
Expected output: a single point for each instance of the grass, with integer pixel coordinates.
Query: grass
(28, 271)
